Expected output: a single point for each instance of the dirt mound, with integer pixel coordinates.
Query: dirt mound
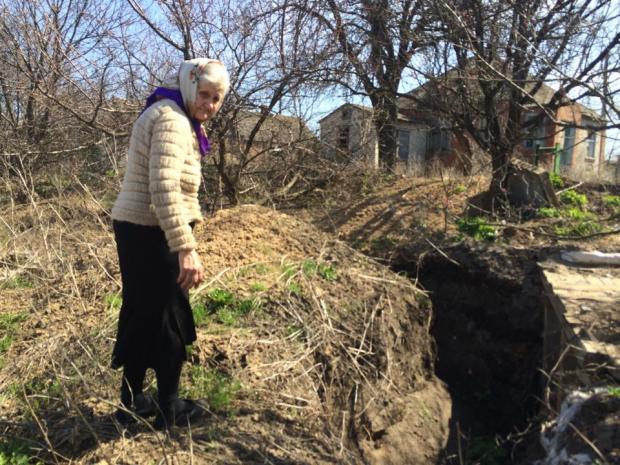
(308, 352)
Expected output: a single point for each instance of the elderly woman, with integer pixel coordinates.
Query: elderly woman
(153, 220)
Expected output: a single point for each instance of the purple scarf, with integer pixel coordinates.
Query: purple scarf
(177, 97)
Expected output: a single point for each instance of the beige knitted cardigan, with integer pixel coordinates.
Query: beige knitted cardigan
(160, 187)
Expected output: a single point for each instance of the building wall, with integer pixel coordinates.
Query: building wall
(361, 143)
(573, 163)
(579, 165)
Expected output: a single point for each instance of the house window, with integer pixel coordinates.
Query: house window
(346, 114)
(534, 136)
(343, 138)
(591, 143)
(439, 139)
(569, 143)
(403, 144)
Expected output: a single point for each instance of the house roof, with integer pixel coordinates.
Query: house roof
(369, 110)
(278, 129)
(362, 108)
(542, 96)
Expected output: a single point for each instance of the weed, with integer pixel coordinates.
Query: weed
(459, 189)
(327, 272)
(614, 391)
(577, 214)
(258, 287)
(218, 297)
(200, 313)
(294, 288)
(288, 271)
(114, 301)
(227, 316)
(556, 180)
(225, 307)
(611, 200)
(573, 198)
(582, 228)
(9, 323)
(218, 389)
(309, 267)
(18, 282)
(477, 227)
(15, 452)
(548, 212)
(483, 450)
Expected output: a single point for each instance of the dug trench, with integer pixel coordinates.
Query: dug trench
(488, 327)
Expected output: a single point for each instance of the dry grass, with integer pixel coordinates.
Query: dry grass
(334, 335)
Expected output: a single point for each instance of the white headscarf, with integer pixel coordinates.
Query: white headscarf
(191, 72)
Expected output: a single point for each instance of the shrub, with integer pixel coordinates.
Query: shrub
(477, 227)
(573, 198)
(556, 180)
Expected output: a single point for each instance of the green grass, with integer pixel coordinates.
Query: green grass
(218, 389)
(113, 302)
(327, 272)
(612, 201)
(294, 288)
(225, 307)
(477, 227)
(556, 180)
(15, 452)
(614, 391)
(309, 267)
(17, 282)
(9, 324)
(218, 297)
(201, 314)
(258, 287)
(581, 228)
(548, 212)
(459, 189)
(573, 198)
(577, 214)
(288, 270)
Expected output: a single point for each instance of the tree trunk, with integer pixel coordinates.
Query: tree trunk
(500, 162)
(385, 126)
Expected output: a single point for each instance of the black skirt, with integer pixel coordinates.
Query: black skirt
(155, 321)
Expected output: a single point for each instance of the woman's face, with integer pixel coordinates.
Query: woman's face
(209, 99)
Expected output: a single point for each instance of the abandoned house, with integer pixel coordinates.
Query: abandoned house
(572, 145)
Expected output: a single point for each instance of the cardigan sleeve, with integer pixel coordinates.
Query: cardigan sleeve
(170, 142)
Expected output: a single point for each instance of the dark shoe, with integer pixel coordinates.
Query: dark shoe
(180, 413)
(142, 406)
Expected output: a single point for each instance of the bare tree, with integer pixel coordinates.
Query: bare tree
(272, 56)
(373, 44)
(496, 56)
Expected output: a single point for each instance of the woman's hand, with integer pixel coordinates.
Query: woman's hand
(191, 272)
